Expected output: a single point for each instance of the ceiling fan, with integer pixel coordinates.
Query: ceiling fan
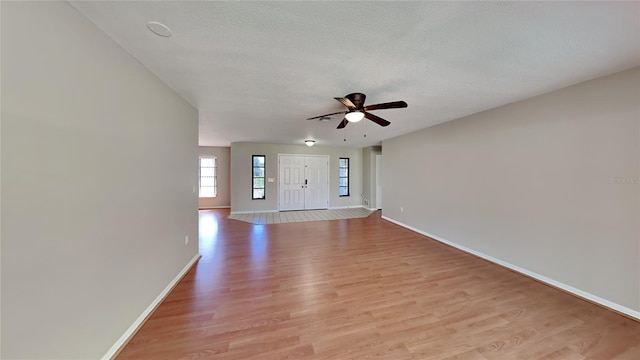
(357, 111)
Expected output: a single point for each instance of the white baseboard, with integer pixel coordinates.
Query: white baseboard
(252, 212)
(345, 207)
(141, 319)
(214, 207)
(557, 284)
(270, 211)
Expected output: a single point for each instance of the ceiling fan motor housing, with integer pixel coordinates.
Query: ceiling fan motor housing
(357, 99)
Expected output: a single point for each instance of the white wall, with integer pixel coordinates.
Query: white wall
(549, 184)
(241, 169)
(99, 167)
(223, 197)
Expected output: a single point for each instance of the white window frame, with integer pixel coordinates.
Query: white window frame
(215, 177)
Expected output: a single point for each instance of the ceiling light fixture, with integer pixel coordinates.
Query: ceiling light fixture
(354, 116)
(159, 29)
(309, 142)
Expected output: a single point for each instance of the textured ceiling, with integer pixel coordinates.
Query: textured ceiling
(257, 70)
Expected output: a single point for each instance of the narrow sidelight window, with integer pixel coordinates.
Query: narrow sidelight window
(208, 177)
(258, 191)
(343, 173)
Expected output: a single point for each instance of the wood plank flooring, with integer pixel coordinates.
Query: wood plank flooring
(365, 289)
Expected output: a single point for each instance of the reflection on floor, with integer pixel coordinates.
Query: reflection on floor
(365, 289)
(299, 216)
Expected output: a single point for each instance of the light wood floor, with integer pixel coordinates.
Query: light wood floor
(365, 289)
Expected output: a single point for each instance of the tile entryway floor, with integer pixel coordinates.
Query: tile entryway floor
(299, 216)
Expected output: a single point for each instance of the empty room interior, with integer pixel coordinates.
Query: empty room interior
(319, 180)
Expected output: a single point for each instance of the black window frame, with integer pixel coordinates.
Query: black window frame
(254, 177)
(340, 167)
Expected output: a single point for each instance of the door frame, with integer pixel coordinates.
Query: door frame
(307, 155)
(378, 178)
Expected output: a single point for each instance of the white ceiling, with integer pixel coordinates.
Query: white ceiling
(257, 70)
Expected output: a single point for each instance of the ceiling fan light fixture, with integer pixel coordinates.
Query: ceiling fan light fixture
(354, 116)
(356, 111)
(309, 142)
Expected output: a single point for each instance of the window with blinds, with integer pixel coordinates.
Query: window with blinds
(208, 177)
(258, 188)
(343, 177)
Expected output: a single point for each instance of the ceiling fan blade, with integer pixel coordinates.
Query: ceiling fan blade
(326, 115)
(389, 105)
(346, 102)
(376, 119)
(342, 124)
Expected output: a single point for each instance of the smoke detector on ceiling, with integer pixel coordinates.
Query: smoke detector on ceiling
(159, 29)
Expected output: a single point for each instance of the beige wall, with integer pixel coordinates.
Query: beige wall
(223, 198)
(99, 170)
(549, 184)
(241, 174)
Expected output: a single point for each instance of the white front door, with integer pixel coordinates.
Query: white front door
(316, 195)
(304, 182)
(291, 182)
